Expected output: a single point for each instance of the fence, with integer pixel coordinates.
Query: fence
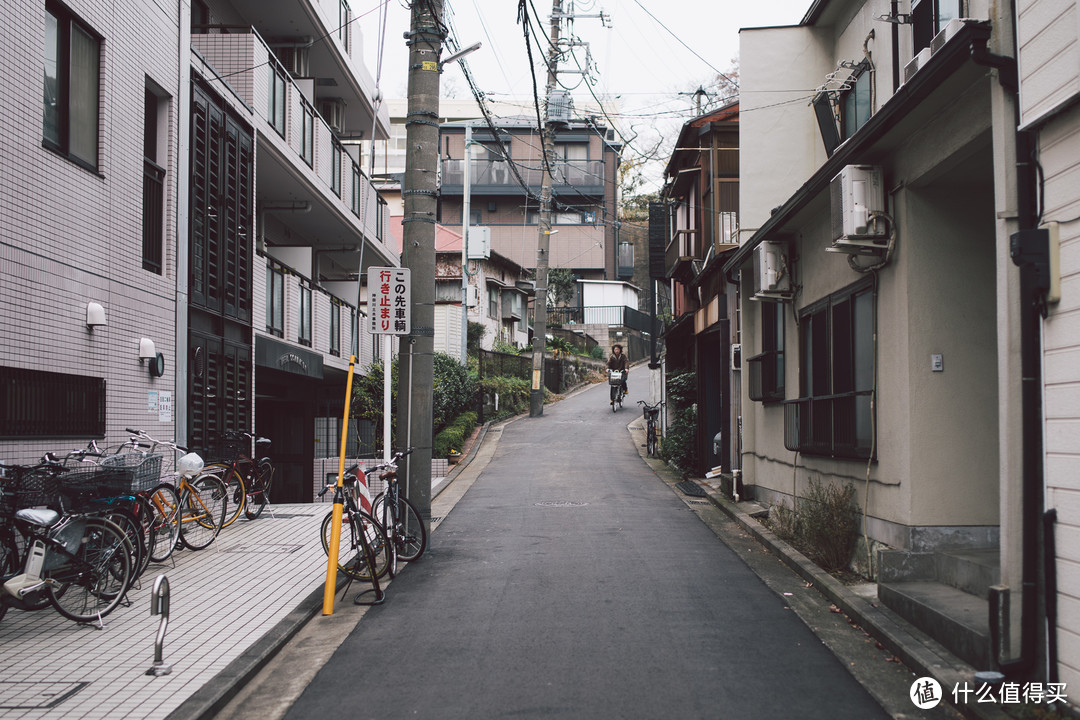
(617, 315)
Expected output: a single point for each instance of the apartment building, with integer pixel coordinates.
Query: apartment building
(192, 186)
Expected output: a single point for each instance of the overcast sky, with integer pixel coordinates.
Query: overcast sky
(644, 55)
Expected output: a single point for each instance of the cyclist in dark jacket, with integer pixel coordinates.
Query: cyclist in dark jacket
(619, 361)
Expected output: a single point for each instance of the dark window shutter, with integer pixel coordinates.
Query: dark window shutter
(658, 226)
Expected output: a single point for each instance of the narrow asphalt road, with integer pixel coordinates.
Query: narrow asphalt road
(570, 581)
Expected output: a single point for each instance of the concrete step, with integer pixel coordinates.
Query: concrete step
(972, 571)
(956, 619)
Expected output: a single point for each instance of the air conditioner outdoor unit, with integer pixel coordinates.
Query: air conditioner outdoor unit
(950, 29)
(472, 297)
(856, 195)
(915, 63)
(479, 242)
(771, 278)
(333, 112)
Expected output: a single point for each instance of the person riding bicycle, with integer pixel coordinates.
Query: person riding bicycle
(619, 361)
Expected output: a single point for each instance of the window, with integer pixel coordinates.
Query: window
(493, 303)
(836, 375)
(335, 328)
(72, 87)
(380, 217)
(353, 327)
(275, 301)
(307, 141)
(34, 403)
(335, 168)
(767, 369)
(855, 107)
(276, 101)
(356, 190)
(304, 335)
(343, 23)
(929, 17)
(153, 187)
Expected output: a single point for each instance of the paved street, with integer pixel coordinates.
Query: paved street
(571, 582)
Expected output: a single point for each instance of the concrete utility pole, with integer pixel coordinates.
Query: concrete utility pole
(415, 359)
(536, 396)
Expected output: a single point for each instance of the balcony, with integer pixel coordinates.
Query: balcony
(684, 247)
(308, 183)
(494, 177)
(610, 315)
(831, 425)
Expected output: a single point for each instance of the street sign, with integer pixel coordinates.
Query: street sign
(389, 300)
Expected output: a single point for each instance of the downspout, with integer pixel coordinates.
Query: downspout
(893, 10)
(1031, 383)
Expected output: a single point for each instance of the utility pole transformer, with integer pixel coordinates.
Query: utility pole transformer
(416, 355)
(536, 396)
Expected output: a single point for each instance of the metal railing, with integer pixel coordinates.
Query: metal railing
(766, 373)
(614, 315)
(498, 172)
(834, 425)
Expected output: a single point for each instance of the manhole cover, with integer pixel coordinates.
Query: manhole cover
(690, 487)
(36, 695)
(264, 548)
(560, 503)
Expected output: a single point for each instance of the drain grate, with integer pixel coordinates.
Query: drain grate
(689, 487)
(289, 516)
(561, 503)
(264, 548)
(36, 695)
(698, 502)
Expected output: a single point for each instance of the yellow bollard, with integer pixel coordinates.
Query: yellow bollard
(335, 524)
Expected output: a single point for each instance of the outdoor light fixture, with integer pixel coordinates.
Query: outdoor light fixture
(458, 55)
(149, 353)
(95, 315)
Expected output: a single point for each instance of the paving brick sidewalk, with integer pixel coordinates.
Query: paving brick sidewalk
(223, 601)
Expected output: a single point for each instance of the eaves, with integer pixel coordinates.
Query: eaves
(950, 58)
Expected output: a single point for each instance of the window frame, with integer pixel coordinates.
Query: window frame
(303, 330)
(356, 176)
(275, 311)
(336, 153)
(833, 416)
(307, 133)
(927, 20)
(855, 102)
(42, 404)
(335, 327)
(67, 23)
(277, 96)
(767, 369)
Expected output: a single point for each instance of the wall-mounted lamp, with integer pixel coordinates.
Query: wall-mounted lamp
(95, 315)
(149, 353)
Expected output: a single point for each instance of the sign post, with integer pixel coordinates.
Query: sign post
(390, 314)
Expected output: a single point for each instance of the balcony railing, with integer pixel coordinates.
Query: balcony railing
(585, 175)
(833, 425)
(617, 315)
(313, 150)
(685, 246)
(766, 377)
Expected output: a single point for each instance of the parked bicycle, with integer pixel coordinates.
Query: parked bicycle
(248, 481)
(363, 550)
(399, 518)
(198, 502)
(80, 563)
(652, 436)
(615, 380)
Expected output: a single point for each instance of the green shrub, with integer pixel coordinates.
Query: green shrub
(597, 353)
(501, 346)
(514, 395)
(455, 390)
(454, 435)
(679, 444)
(476, 332)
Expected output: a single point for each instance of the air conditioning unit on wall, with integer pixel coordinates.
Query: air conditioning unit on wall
(772, 279)
(333, 112)
(856, 195)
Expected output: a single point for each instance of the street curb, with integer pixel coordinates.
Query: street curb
(216, 693)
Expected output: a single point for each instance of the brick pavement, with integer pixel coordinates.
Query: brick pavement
(223, 600)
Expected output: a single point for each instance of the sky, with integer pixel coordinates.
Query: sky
(648, 55)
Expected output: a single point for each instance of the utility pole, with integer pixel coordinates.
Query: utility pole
(416, 354)
(536, 396)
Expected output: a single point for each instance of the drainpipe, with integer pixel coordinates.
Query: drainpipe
(1031, 298)
(894, 9)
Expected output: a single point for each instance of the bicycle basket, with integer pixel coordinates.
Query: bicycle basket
(81, 486)
(135, 471)
(615, 377)
(228, 448)
(27, 488)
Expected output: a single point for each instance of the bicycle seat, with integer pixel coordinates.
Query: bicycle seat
(42, 517)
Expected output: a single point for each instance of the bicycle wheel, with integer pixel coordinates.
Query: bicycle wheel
(93, 581)
(259, 494)
(407, 531)
(651, 441)
(165, 528)
(237, 493)
(351, 559)
(129, 524)
(9, 566)
(203, 505)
